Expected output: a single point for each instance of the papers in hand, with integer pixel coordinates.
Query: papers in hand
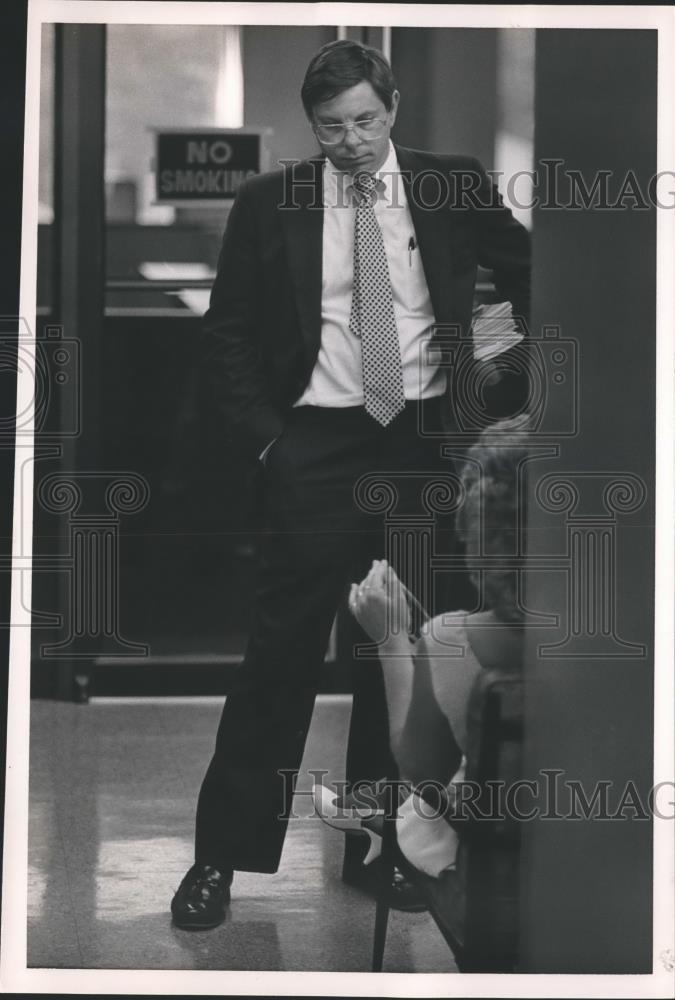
(494, 330)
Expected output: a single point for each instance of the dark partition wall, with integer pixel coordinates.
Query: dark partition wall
(588, 896)
(275, 60)
(448, 83)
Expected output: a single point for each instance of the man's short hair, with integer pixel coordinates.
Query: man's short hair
(340, 65)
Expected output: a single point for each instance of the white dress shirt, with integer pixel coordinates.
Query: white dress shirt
(337, 377)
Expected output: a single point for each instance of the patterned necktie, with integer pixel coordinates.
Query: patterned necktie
(372, 313)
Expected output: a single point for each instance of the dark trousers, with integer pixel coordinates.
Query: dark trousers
(325, 527)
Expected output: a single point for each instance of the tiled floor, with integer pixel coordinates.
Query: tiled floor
(112, 798)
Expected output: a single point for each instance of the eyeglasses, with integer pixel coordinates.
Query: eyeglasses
(366, 128)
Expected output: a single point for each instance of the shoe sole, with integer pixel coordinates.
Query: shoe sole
(420, 907)
(198, 927)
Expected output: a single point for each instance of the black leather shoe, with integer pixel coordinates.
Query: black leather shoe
(202, 898)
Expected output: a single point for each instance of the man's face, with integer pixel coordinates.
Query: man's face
(353, 153)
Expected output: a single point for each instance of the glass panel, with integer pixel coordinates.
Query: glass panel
(194, 78)
(163, 77)
(46, 172)
(491, 73)
(514, 139)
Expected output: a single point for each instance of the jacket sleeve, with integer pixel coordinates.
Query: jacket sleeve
(233, 371)
(503, 245)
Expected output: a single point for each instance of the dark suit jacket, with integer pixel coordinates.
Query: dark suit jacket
(263, 327)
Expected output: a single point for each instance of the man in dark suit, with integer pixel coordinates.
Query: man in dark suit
(332, 276)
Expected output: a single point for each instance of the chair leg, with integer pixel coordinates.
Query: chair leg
(386, 876)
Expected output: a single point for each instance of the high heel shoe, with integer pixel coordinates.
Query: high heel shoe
(352, 820)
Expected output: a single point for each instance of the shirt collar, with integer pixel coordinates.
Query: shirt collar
(388, 174)
(336, 181)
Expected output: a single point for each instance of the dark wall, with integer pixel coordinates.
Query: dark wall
(447, 78)
(275, 60)
(588, 894)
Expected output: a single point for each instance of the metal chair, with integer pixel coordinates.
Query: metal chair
(474, 905)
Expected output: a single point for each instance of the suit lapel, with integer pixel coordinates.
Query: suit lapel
(432, 228)
(302, 224)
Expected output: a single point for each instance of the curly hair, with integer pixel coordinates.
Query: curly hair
(491, 509)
